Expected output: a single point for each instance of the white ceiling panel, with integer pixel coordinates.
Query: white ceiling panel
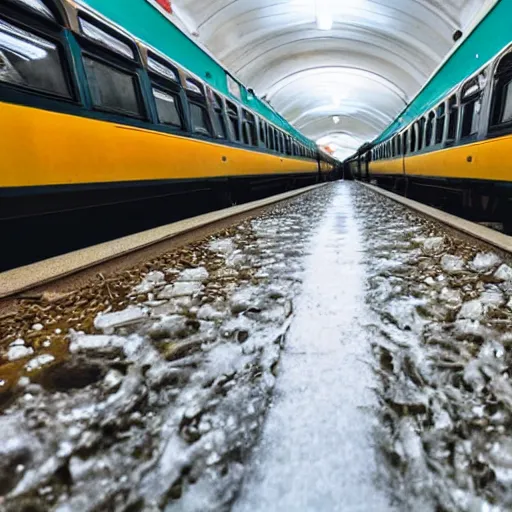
(339, 70)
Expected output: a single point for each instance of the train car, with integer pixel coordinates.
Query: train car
(457, 153)
(93, 115)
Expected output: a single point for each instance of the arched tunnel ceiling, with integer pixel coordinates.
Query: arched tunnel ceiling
(342, 85)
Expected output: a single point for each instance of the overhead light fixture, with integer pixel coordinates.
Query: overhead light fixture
(335, 119)
(324, 18)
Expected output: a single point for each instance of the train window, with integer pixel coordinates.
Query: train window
(506, 111)
(453, 117)
(421, 131)
(166, 71)
(502, 100)
(112, 88)
(288, 146)
(404, 142)
(234, 124)
(218, 115)
(440, 120)
(38, 6)
(194, 87)
(471, 104)
(429, 130)
(263, 131)
(30, 61)
(246, 135)
(399, 144)
(468, 114)
(412, 138)
(108, 41)
(199, 119)
(250, 127)
(167, 106)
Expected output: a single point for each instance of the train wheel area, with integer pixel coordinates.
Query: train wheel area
(335, 349)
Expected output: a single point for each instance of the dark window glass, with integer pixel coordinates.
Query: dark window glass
(453, 116)
(468, 112)
(412, 138)
(440, 115)
(420, 126)
(218, 115)
(506, 104)
(167, 106)
(30, 61)
(429, 129)
(263, 133)
(399, 145)
(220, 124)
(233, 120)
(246, 134)
(112, 88)
(250, 127)
(235, 129)
(199, 119)
(502, 94)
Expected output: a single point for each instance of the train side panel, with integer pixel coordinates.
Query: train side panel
(484, 160)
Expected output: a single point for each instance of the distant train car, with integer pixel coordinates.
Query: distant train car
(91, 115)
(456, 154)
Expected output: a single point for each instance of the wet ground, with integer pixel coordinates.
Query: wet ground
(335, 353)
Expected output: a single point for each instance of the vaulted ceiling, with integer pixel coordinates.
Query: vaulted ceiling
(339, 70)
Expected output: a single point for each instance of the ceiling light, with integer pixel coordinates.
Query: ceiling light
(335, 119)
(324, 19)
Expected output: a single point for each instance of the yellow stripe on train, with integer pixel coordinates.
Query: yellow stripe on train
(483, 160)
(395, 166)
(40, 147)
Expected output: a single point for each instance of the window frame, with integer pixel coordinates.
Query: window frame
(429, 127)
(440, 124)
(168, 86)
(179, 107)
(94, 50)
(249, 123)
(233, 115)
(498, 92)
(28, 20)
(452, 111)
(217, 114)
(144, 116)
(468, 106)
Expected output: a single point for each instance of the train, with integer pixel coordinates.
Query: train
(455, 154)
(92, 114)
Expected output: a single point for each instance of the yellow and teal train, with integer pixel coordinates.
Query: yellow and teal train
(90, 114)
(458, 153)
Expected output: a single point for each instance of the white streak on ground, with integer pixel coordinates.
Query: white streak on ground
(316, 452)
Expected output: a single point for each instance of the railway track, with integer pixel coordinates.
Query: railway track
(106, 257)
(474, 230)
(143, 377)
